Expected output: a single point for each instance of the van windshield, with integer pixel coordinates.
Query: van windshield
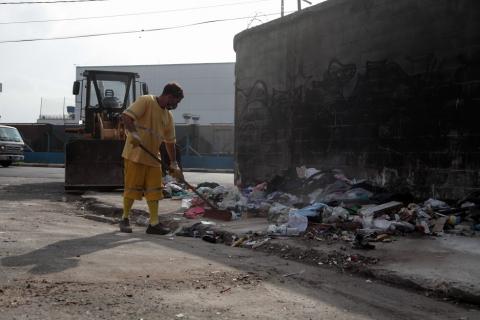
(10, 134)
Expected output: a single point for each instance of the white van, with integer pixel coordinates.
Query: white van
(11, 145)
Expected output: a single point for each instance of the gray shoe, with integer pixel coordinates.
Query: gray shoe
(125, 226)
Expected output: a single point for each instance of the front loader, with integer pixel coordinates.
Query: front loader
(93, 153)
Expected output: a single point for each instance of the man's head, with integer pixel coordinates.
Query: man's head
(173, 94)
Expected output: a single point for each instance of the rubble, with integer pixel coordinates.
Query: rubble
(328, 206)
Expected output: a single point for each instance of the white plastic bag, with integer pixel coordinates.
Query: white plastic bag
(186, 203)
(297, 221)
(382, 224)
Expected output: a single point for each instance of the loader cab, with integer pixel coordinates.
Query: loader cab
(106, 95)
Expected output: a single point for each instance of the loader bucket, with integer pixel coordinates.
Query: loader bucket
(94, 165)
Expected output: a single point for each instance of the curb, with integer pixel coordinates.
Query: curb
(441, 290)
(364, 268)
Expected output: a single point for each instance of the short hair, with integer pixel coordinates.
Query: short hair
(174, 89)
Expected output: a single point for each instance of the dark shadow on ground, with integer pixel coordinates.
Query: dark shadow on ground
(53, 191)
(65, 254)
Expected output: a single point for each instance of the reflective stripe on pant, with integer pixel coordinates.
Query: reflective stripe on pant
(141, 180)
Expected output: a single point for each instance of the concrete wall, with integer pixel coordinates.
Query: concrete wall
(385, 89)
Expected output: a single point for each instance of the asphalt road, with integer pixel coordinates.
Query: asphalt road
(33, 173)
(54, 264)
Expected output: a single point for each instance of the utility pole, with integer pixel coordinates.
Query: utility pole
(300, 3)
(63, 111)
(41, 105)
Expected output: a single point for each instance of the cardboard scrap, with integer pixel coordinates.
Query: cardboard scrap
(381, 209)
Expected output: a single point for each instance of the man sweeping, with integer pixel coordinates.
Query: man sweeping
(149, 121)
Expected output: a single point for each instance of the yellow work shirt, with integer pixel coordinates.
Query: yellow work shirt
(154, 124)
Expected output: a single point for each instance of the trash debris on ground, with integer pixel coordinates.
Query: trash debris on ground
(328, 206)
(194, 212)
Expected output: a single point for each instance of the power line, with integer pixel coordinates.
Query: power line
(47, 2)
(133, 31)
(133, 14)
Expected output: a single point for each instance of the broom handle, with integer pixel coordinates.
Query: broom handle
(183, 180)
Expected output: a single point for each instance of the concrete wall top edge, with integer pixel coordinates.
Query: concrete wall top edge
(343, 7)
(286, 19)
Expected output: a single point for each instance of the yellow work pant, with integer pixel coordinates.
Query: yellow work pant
(142, 180)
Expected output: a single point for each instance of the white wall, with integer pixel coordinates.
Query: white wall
(209, 87)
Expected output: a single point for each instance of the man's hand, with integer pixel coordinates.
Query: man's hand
(136, 140)
(175, 171)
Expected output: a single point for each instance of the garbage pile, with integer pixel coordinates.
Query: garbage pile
(328, 206)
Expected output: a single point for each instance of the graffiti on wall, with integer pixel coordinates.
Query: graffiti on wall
(381, 113)
(262, 125)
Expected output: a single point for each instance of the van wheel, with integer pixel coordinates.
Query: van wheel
(5, 163)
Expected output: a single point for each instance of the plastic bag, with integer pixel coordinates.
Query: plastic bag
(382, 224)
(219, 190)
(194, 212)
(278, 213)
(205, 191)
(435, 204)
(282, 230)
(297, 221)
(186, 203)
(312, 210)
(403, 226)
(358, 194)
(335, 214)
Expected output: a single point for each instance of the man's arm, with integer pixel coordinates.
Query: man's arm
(171, 152)
(174, 170)
(129, 123)
(130, 126)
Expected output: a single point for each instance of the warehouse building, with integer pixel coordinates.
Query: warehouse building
(209, 88)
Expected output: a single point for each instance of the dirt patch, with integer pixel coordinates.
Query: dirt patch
(104, 300)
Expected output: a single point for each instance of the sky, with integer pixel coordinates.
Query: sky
(35, 73)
